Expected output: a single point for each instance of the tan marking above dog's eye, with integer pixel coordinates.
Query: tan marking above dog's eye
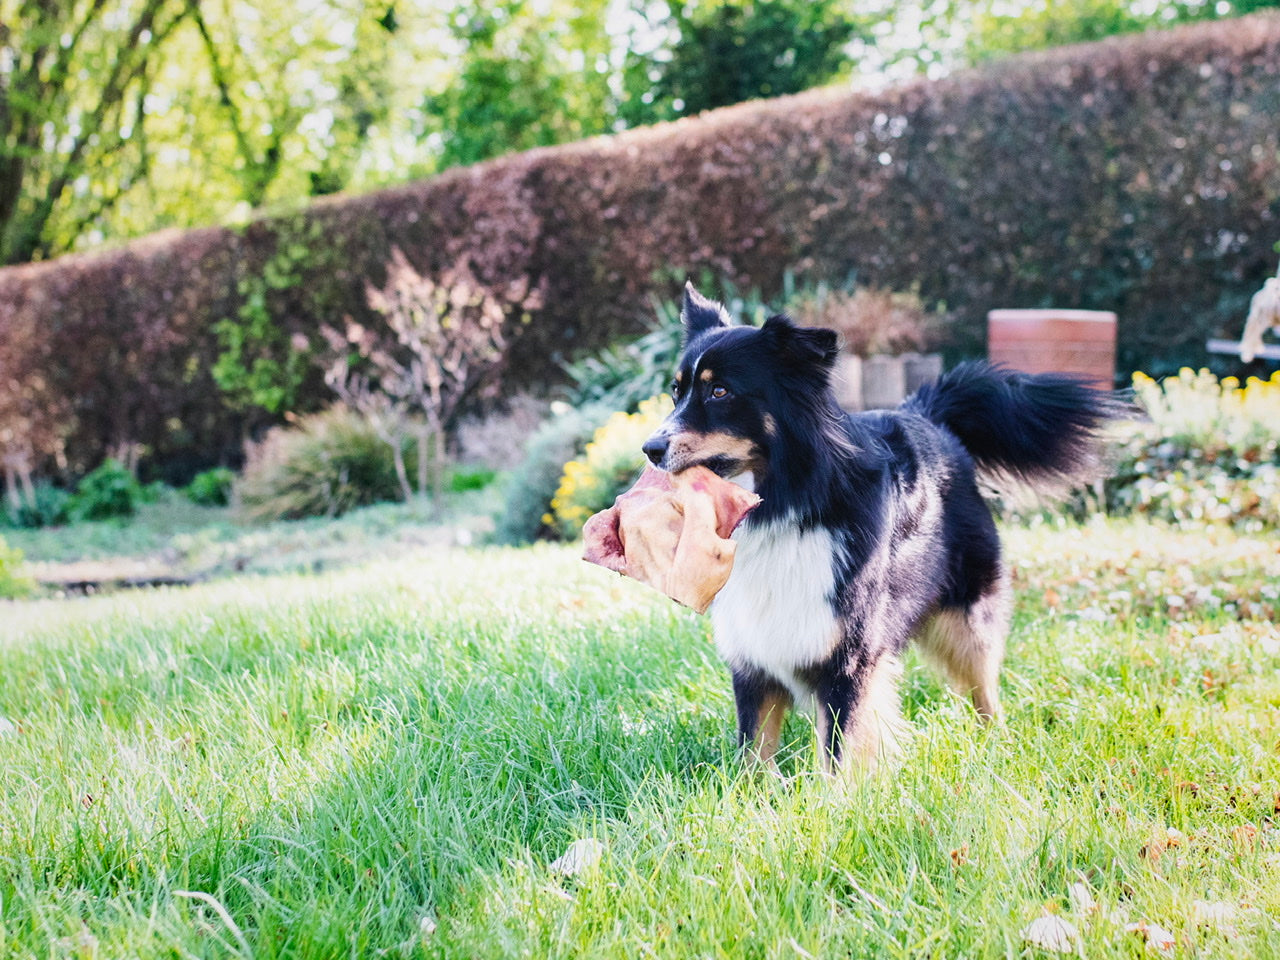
(706, 376)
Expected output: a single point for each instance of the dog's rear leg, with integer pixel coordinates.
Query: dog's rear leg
(762, 705)
(860, 715)
(967, 645)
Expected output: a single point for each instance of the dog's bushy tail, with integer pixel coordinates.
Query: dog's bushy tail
(1026, 432)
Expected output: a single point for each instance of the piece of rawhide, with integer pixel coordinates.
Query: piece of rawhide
(671, 531)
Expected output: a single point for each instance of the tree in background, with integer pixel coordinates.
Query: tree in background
(120, 117)
(74, 81)
(929, 36)
(528, 75)
(715, 54)
(295, 98)
(256, 104)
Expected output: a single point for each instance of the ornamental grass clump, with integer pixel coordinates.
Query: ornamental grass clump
(326, 464)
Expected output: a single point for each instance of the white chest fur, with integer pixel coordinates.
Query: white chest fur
(774, 613)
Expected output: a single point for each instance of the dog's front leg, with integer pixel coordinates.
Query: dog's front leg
(762, 704)
(859, 714)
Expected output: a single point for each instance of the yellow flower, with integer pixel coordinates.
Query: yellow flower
(610, 461)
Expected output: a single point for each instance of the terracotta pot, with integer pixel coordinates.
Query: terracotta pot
(1055, 341)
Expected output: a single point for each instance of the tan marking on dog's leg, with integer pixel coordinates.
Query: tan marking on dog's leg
(872, 735)
(967, 647)
(773, 710)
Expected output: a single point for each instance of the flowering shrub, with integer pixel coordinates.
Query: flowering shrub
(1216, 417)
(610, 464)
(525, 514)
(1209, 452)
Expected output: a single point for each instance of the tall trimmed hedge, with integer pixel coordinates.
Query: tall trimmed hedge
(1140, 175)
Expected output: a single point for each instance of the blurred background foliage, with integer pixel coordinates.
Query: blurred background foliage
(121, 117)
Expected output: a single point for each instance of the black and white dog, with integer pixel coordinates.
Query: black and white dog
(871, 531)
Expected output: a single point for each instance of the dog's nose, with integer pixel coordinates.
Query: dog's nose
(655, 448)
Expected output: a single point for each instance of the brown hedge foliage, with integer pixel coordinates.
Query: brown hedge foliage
(1140, 175)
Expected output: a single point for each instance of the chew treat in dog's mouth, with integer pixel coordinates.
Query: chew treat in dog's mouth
(672, 533)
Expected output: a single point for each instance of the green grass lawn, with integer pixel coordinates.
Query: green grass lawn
(176, 536)
(385, 760)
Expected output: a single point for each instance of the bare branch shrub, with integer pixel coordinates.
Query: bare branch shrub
(440, 343)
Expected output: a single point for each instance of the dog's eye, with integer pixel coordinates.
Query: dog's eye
(719, 391)
(675, 389)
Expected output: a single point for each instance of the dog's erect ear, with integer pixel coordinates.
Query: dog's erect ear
(700, 314)
(801, 345)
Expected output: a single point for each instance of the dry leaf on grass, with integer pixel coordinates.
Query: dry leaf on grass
(1082, 902)
(1052, 933)
(1245, 837)
(1162, 839)
(1152, 850)
(1156, 938)
(1217, 915)
(581, 856)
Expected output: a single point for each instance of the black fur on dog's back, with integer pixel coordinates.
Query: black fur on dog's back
(1037, 431)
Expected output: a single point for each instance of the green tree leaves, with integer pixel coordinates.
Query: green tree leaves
(721, 53)
(119, 117)
(74, 78)
(527, 77)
